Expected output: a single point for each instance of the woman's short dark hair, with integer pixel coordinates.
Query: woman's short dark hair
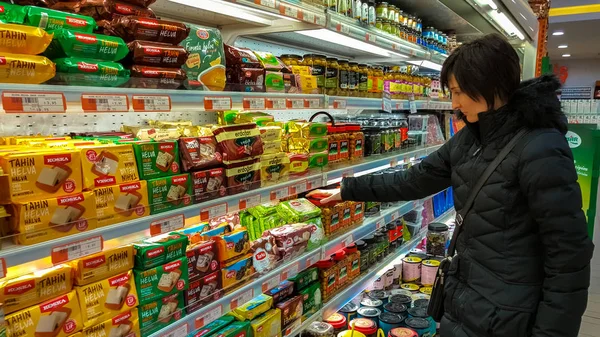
(484, 68)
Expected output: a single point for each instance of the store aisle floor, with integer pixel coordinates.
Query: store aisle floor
(590, 327)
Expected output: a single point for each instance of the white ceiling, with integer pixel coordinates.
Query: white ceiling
(579, 36)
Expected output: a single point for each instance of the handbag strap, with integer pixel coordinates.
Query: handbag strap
(460, 216)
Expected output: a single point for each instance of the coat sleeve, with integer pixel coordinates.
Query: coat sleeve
(549, 181)
(430, 176)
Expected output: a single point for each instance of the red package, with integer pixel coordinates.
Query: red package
(132, 28)
(242, 176)
(199, 153)
(154, 54)
(202, 259)
(240, 57)
(209, 184)
(156, 78)
(238, 142)
(203, 291)
(141, 3)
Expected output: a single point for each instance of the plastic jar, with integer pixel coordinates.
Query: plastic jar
(393, 28)
(353, 74)
(422, 303)
(339, 258)
(349, 311)
(412, 287)
(437, 236)
(429, 270)
(291, 60)
(333, 143)
(389, 279)
(397, 272)
(379, 283)
(319, 329)
(372, 141)
(357, 139)
(332, 76)
(401, 299)
(402, 332)
(381, 240)
(368, 302)
(344, 68)
(338, 322)
(318, 64)
(419, 325)
(404, 133)
(411, 269)
(344, 139)
(389, 321)
(386, 26)
(328, 277)
(367, 326)
(380, 295)
(396, 308)
(363, 248)
(353, 256)
(382, 10)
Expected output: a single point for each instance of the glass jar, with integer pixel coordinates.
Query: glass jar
(332, 76)
(372, 13)
(382, 10)
(394, 28)
(364, 16)
(379, 77)
(318, 64)
(409, 21)
(392, 13)
(327, 277)
(363, 80)
(344, 68)
(379, 24)
(357, 9)
(401, 18)
(363, 248)
(353, 256)
(342, 7)
(331, 4)
(357, 139)
(344, 139)
(387, 27)
(437, 236)
(291, 60)
(353, 74)
(372, 141)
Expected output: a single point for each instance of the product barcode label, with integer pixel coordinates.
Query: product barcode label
(298, 188)
(104, 103)
(386, 104)
(312, 103)
(167, 225)
(249, 202)
(213, 212)
(2, 268)
(280, 193)
(217, 103)
(370, 37)
(181, 331)
(395, 215)
(295, 103)
(290, 271)
(339, 104)
(270, 283)
(151, 103)
(291, 12)
(208, 317)
(379, 224)
(308, 17)
(266, 3)
(347, 241)
(242, 298)
(276, 103)
(254, 103)
(341, 28)
(313, 259)
(76, 250)
(15, 102)
(320, 20)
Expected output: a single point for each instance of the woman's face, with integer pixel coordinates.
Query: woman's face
(464, 103)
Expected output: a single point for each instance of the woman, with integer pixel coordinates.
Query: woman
(524, 252)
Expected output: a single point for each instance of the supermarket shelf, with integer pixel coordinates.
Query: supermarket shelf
(341, 102)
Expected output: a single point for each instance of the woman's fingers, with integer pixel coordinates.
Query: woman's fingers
(334, 197)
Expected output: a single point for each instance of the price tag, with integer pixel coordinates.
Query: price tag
(208, 317)
(291, 271)
(291, 12)
(400, 106)
(181, 331)
(312, 103)
(394, 162)
(249, 202)
(213, 212)
(16, 102)
(295, 103)
(2, 268)
(314, 183)
(347, 240)
(412, 107)
(313, 259)
(104, 103)
(266, 3)
(395, 215)
(217, 103)
(412, 52)
(379, 224)
(348, 173)
(167, 225)
(370, 37)
(320, 20)
(77, 249)
(386, 104)
(308, 17)
(242, 298)
(280, 193)
(276, 103)
(151, 103)
(271, 283)
(254, 103)
(341, 28)
(298, 188)
(339, 104)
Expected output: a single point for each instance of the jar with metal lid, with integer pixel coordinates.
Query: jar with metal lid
(357, 9)
(379, 23)
(401, 18)
(363, 248)
(342, 7)
(318, 64)
(405, 300)
(353, 74)
(392, 12)
(394, 28)
(331, 5)
(344, 69)
(379, 78)
(372, 141)
(386, 26)
(391, 230)
(371, 303)
(332, 76)
(291, 59)
(319, 329)
(357, 139)
(381, 246)
(382, 10)
(437, 236)
(402, 332)
(353, 257)
(372, 245)
(338, 322)
(418, 324)
(380, 295)
(364, 16)
(389, 321)
(363, 80)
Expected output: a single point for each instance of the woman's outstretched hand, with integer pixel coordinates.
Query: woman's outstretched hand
(326, 195)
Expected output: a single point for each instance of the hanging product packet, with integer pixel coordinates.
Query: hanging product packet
(81, 71)
(68, 43)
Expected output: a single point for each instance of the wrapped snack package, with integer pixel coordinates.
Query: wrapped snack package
(263, 210)
(241, 57)
(272, 147)
(23, 39)
(132, 28)
(270, 133)
(274, 168)
(141, 3)
(265, 254)
(274, 81)
(259, 118)
(27, 69)
(288, 236)
(298, 210)
(156, 78)
(306, 129)
(80, 71)
(267, 324)
(199, 153)
(67, 43)
(232, 245)
(245, 79)
(317, 233)
(308, 145)
(298, 163)
(253, 308)
(205, 66)
(146, 53)
(237, 271)
(280, 293)
(269, 61)
(50, 19)
(111, 9)
(239, 142)
(208, 185)
(242, 176)
(7, 11)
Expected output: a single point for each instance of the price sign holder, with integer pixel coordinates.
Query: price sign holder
(298, 188)
(266, 3)
(248, 202)
(271, 283)
(313, 259)
(412, 104)
(395, 215)
(254, 103)
(291, 271)
(33, 102)
(213, 212)
(290, 11)
(208, 317)
(295, 103)
(341, 28)
(339, 104)
(314, 183)
(76, 250)
(276, 103)
(167, 225)
(386, 103)
(312, 103)
(280, 193)
(151, 103)
(104, 103)
(241, 298)
(181, 331)
(217, 103)
(379, 223)
(347, 241)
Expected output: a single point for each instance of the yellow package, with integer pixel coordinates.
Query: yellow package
(24, 140)
(274, 168)
(31, 289)
(118, 203)
(46, 219)
(26, 69)
(102, 300)
(62, 144)
(270, 133)
(102, 265)
(125, 324)
(271, 147)
(308, 84)
(39, 175)
(22, 39)
(268, 324)
(169, 124)
(146, 133)
(301, 70)
(108, 165)
(58, 317)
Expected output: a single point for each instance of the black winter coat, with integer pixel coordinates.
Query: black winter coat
(524, 253)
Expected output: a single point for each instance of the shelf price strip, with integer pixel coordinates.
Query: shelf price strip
(167, 225)
(76, 250)
(276, 103)
(104, 103)
(312, 103)
(295, 103)
(291, 12)
(17, 102)
(241, 298)
(314, 183)
(181, 331)
(254, 103)
(249, 202)
(291, 271)
(208, 317)
(271, 283)
(151, 103)
(266, 3)
(298, 188)
(280, 193)
(217, 103)
(213, 212)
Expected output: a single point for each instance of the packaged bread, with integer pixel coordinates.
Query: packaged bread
(108, 165)
(102, 300)
(26, 69)
(39, 175)
(158, 282)
(57, 317)
(125, 324)
(123, 202)
(67, 43)
(23, 39)
(31, 289)
(47, 219)
(102, 265)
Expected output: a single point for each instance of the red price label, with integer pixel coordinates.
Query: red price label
(295, 103)
(314, 183)
(167, 225)
(18, 102)
(104, 103)
(339, 104)
(254, 103)
(217, 103)
(213, 212)
(298, 188)
(290, 271)
(276, 103)
(270, 283)
(249, 202)
(312, 103)
(242, 298)
(313, 259)
(77, 249)
(151, 103)
(208, 317)
(280, 193)
(395, 215)
(291, 12)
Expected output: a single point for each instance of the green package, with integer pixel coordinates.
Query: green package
(155, 283)
(317, 236)
(67, 43)
(10, 13)
(79, 71)
(304, 278)
(159, 250)
(270, 222)
(157, 314)
(50, 19)
(297, 210)
(212, 327)
(263, 209)
(169, 193)
(274, 81)
(157, 159)
(205, 66)
(316, 160)
(236, 329)
(312, 299)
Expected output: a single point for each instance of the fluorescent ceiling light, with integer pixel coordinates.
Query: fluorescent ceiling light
(234, 10)
(490, 3)
(343, 40)
(563, 46)
(427, 64)
(558, 33)
(506, 24)
(566, 55)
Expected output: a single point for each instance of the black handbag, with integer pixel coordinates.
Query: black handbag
(436, 302)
